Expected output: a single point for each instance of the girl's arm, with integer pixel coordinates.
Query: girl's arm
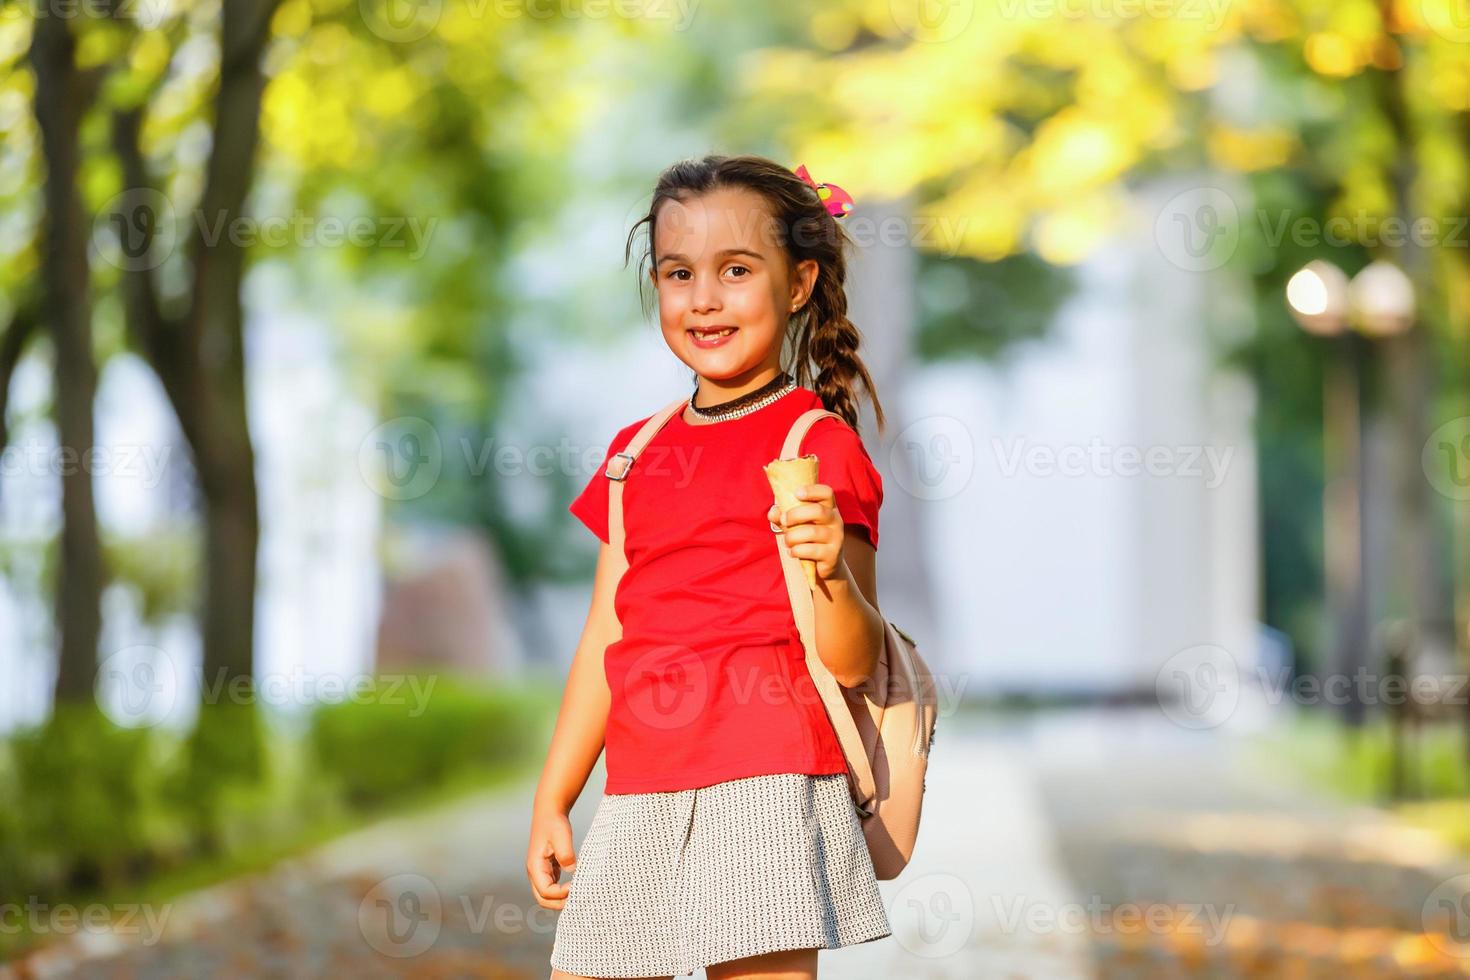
(849, 625)
(845, 602)
(576, 743)
(581, 723)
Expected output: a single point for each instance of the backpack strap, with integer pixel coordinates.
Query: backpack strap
(619, 465)
(860, 767)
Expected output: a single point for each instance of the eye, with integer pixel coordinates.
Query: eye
(674, 274)
(734, 267)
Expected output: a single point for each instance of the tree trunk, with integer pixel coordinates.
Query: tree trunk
(62, 96)
(232, 532)
(1411, 383)
(12, 346)
(200, 358)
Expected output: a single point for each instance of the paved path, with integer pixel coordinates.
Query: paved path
(1248, 873)
(1045, 842)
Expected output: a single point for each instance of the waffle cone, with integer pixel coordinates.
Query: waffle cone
(787, 476)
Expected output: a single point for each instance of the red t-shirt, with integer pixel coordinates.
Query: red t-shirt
(709, 681)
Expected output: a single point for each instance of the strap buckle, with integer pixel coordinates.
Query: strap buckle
(911, 641)
(622, 474)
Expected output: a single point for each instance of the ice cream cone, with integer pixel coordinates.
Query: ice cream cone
(787, 476)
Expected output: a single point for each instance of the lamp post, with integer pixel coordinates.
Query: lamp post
(1377, 303)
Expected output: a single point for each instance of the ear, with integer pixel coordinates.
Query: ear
(803, 281)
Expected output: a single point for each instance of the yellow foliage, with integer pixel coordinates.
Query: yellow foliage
(150, 54)
(777, 70)
(877, 17)
(1443, 172)
(99, 177)
(1022, 125)
(834, 28)
(1070, 233)
(17, 123)
(292, 19)
(328, 44)
(1449, 82)
(1193, 71)
(1366, 196)
(1250, 150)
(1072, 151)
(100, 43)
(1445, 18)
(1270, 21)
(1333, 54)
(986, 214)
(464, 24)
(284, 111)
(390, 92)
(15, 38)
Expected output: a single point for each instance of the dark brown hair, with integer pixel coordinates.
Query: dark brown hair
(824, 339)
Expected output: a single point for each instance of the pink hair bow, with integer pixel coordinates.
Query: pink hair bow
(838, 201)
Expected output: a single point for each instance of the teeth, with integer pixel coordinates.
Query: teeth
(707, 334)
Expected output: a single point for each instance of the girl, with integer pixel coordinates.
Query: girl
(725, 837)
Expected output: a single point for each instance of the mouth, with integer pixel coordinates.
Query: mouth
(711, 337)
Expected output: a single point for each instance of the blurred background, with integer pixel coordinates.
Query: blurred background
(314, 316)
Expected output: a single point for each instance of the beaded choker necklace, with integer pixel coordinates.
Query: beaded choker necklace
(746, 403)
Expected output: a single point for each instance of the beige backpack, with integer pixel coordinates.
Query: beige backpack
(885, 725)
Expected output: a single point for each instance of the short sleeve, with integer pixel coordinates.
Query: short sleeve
(590, 506)
(844, 465)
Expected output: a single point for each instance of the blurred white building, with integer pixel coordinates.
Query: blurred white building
(1093, 508)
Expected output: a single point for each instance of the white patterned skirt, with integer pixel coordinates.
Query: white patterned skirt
(667, 883)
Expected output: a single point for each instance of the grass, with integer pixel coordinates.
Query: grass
(1316, 749)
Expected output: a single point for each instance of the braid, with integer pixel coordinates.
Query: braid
(830, 342)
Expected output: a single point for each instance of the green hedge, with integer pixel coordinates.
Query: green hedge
(378, 751)
(88, 808)
(95, 803)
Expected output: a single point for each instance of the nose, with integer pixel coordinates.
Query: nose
(705, 296)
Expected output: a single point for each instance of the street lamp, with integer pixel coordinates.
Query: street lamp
(1318, 298)
(1377, 303)
(1382, 298)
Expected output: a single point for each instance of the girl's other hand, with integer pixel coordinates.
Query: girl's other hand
(549, 854)
(814, 529)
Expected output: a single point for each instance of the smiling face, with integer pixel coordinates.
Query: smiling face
(720, 264)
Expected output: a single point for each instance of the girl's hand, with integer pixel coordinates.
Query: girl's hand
(549, 854)
(814, 530)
